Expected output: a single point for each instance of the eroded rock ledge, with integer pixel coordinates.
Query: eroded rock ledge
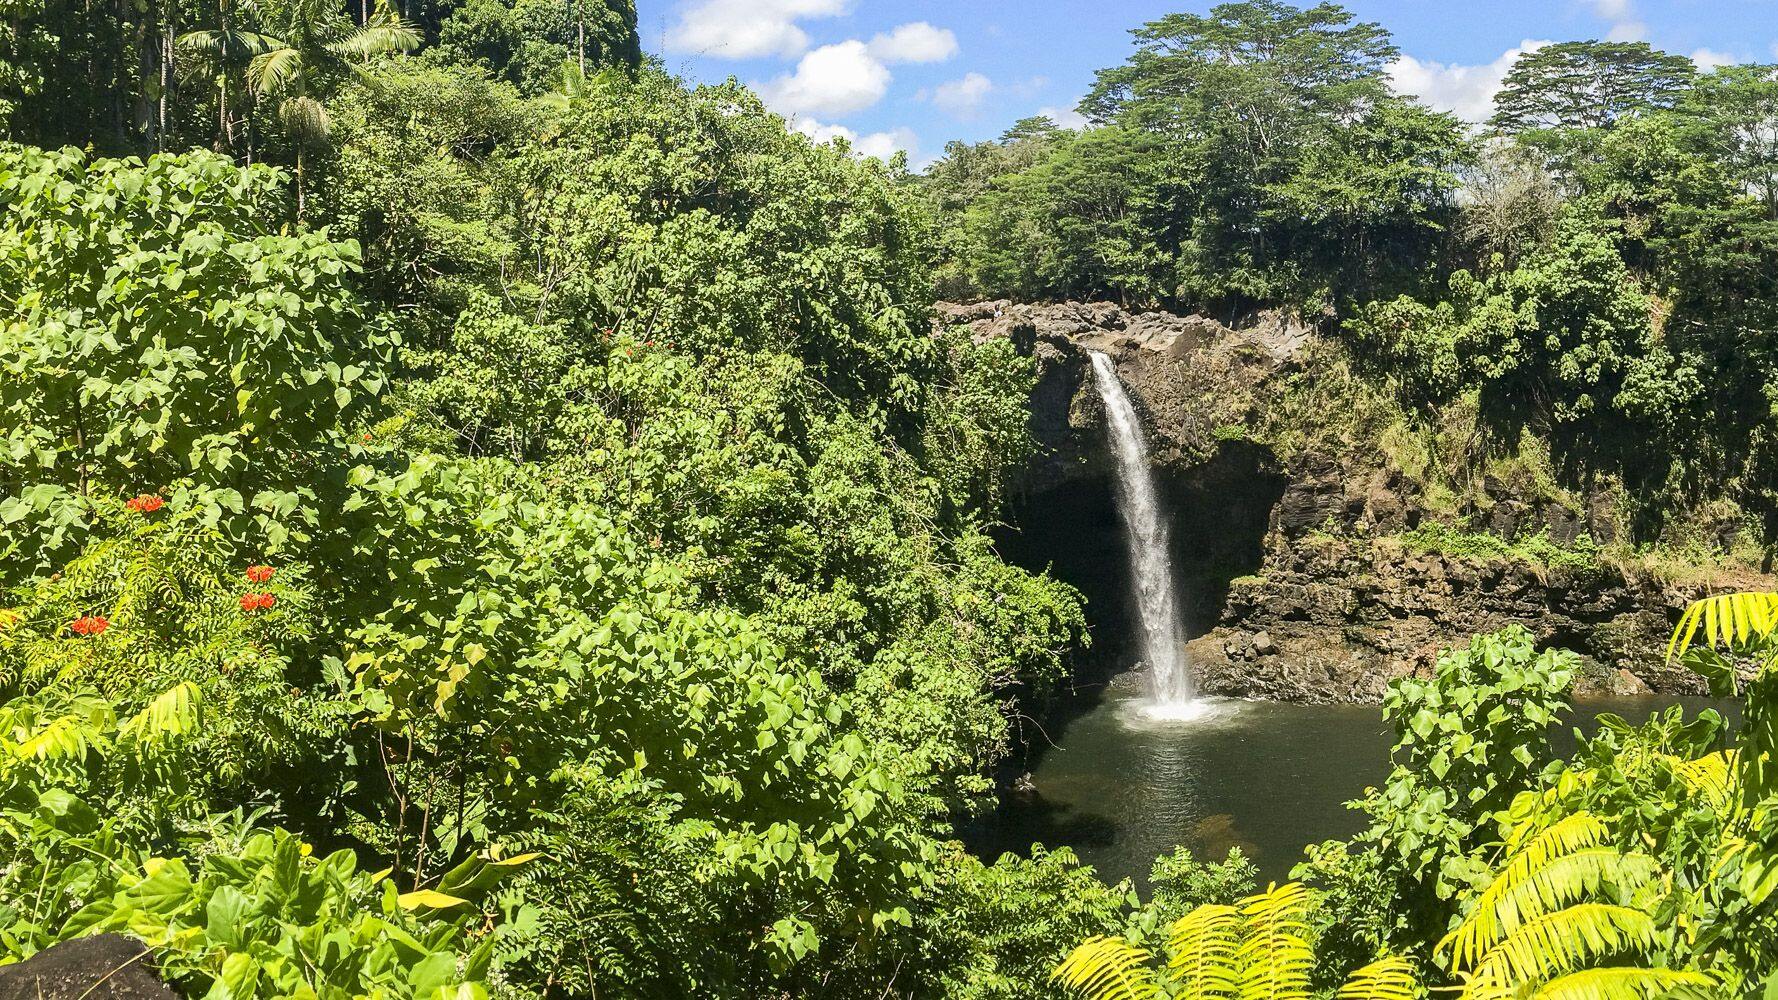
(1334, 602)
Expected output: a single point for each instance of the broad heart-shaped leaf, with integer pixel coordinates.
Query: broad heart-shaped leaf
(433, 973)
(225, 916)
(237, 980)
(165, 892)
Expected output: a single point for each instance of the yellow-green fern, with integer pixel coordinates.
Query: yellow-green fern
(1391, 978)
(1540, 924)
(1204, 944)
(1109, 968)
(1258, 949)
(1275, 958)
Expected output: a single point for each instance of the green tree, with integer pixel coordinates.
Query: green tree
(526, 42)
(305, 49)
(1250, 115)
(1587, 86)
(1740, 105)
(157, 329)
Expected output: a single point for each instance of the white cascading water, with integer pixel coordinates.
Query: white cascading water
(1145, 529)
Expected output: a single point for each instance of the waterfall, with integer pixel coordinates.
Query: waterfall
(1145, 531)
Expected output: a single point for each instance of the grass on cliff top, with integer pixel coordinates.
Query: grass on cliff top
(1535, 550)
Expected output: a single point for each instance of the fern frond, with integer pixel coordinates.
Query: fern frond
(1204, 944)
(1390, 978)
(1727, 620)
(1564, 941)
(1108, 968)
(1711, 776)
(1528, 886)
(1275, 958)
(1627, 984)
(172, 713)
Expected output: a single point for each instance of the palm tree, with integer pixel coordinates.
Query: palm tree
(222, 50)
(304, 47)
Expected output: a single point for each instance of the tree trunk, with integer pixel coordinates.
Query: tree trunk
(147, 50)
(169, 70)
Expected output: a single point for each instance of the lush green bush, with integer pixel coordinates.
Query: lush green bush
(160, 327)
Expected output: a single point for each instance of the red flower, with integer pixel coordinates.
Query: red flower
(251, 602)
(367, 437)
(649, 344)
(147, 503)
(260, 574)
(89, 625)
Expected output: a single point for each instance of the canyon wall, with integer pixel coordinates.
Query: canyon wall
(1305, 552)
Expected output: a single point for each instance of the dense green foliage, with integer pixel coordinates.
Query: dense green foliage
(1251, 155)
(1593, 266)
(608, 505)
(479, 517)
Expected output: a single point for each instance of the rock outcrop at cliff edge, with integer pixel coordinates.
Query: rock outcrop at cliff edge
(1342, 599)
(1192, 377)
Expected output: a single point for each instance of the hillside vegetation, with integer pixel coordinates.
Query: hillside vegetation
(480, 517)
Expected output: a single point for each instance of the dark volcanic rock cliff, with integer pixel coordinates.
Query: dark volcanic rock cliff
(1293, 560)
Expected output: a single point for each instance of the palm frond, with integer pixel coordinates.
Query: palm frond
(275, 69)
(1711, 776)
(226, 45)
(1527, 886)
(1108, 968)
(382, 36)
(1564, 941)
(1726, 620)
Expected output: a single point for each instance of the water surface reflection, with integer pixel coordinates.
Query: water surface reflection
(1121, 788)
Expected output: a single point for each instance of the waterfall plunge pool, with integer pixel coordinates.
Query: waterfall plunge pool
(1121, 788)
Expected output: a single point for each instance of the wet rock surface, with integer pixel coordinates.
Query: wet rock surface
(1332, 605)
(1336, 620)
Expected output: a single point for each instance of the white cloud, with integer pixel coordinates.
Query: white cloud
(1709, 60)
(1466, 91)
(832, 80)
(1622, 15)
(917, 42)
(963, 97)
(1064, 115)
(881, 145)
(748, 29)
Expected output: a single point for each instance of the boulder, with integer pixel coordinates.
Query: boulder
(103, 967)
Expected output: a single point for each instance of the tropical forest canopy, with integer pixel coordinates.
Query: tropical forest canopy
(483, 517)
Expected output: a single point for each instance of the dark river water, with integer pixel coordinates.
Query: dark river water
(1270, 778)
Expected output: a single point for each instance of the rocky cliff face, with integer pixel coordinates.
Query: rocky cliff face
(1295, 564)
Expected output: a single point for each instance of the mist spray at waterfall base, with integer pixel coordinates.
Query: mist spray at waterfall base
(1171, 693)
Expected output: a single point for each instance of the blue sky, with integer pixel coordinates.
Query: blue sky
(913, 74)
